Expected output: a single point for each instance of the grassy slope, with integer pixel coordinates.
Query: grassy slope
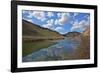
(30, 29)
(32, 32)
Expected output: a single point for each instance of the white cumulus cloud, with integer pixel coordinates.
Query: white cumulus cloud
(50, 14)
(75, 14)
(58, 28)
(61, 30)
(24, 11)
(56, 22)
(30, 15)
(58, 15)
(82, 25)
(29, 20)
(50, 24)
(40, 15)
(64, 18)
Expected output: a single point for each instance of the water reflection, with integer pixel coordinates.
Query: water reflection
(59, 51)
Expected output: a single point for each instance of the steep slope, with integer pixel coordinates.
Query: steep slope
(87, 32)
(35, 37)
(30, 29)
(83, 51)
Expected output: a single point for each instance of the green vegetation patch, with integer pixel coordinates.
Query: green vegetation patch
(30, 47)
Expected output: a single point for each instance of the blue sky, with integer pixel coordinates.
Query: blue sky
(62, 22)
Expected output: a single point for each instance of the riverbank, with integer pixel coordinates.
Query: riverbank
(30, 46)
(34, 39)
(80, 48)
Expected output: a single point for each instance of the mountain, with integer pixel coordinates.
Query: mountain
(72, 34)
(31, 29)
(83, 51)
(87, 32)
(35, 37)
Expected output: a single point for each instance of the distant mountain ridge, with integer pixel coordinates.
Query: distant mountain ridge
(72, 34)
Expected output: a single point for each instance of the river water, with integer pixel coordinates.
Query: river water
(59, 51)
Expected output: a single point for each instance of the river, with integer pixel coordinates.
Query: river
(61, 50)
